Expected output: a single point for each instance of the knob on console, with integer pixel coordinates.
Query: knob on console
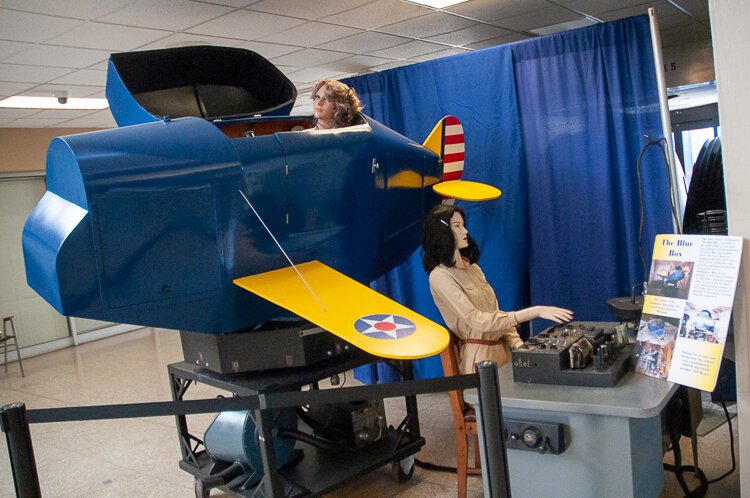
(532, 437)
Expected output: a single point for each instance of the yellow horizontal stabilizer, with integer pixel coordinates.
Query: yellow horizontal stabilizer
(348, 309)
(467, 191)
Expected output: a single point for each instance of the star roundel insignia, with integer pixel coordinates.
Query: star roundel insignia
(385, 326)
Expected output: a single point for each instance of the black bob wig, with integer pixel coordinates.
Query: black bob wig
(438, 243)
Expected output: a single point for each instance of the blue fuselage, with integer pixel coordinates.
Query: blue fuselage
(145, 224)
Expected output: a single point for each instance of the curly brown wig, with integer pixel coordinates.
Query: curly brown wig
(345, 98)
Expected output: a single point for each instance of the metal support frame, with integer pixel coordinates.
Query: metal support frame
(15, 420)
(14, 423)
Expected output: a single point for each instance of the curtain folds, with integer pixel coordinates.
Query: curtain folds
(557, 123)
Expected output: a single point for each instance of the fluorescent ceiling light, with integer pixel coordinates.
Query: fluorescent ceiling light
(19, 102)
(438, 4)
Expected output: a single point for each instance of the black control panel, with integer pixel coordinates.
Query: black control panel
(541, 437)
(593, 354)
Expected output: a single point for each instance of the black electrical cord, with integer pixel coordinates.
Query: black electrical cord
(731, 446)
(318, 442)
(679, 470)
(660, 143)
(435, 467)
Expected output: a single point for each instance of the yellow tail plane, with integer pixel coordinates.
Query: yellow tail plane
(447, 141)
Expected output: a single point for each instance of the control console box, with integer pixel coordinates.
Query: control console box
(595, 354)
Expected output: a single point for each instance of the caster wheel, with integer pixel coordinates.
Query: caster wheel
(398, 471)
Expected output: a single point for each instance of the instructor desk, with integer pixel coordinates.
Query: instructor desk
(613, 436)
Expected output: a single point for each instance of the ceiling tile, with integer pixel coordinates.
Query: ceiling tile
(102, 114)
(79, 9)
(392, 65)
(173, 15)
(35, 123)
(309, 57)
(364, 42)
(408, 50)
(30, 74)
(80, 91)
(498, 41)
(537, 19)
(594, 7)
(188, 40)
(102, 66)
(246, 25)
(17, 113)
(618, 10)
(311, 34)
(287, 70)
(357, 64)
(8, 89)
(48, 55)
(35, 28)
(426, 26)
(440, 54)
(231, 3)
(62, 113)
(83, 77)
(472, 34)
(666, 15)
(98, 95)
(312, 74)
(9, 48)
(379, 13)
(317, 9)
(108, 37)
(490, 10)
(270, 50)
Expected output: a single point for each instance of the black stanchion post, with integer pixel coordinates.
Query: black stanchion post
(491, 415)
(21, 453)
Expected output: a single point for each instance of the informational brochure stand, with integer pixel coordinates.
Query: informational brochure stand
(687, 308)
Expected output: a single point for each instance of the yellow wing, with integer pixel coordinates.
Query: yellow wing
(350, 310)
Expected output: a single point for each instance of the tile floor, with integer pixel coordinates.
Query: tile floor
(138, 457)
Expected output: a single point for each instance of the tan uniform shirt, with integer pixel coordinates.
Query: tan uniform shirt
(469, 307)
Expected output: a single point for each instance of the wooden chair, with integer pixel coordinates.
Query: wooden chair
(464, 420)
(5, 338)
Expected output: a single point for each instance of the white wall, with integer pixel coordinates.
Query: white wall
(730, 25)
(36, 321)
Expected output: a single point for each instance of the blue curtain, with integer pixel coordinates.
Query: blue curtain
(586, 99)
(557, 124)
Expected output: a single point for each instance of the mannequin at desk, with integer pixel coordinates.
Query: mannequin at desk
(463, 296)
